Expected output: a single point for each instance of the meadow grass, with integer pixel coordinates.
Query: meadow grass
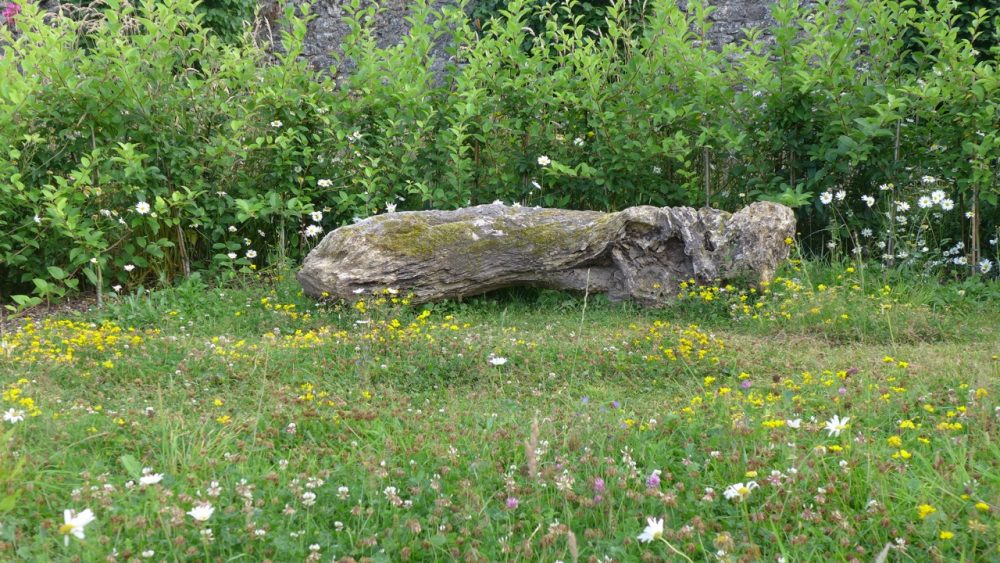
(527, 425)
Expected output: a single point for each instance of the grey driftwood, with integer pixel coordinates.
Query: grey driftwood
(642, 253)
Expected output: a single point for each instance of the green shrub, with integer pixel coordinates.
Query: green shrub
(243, 154)
(138, 141)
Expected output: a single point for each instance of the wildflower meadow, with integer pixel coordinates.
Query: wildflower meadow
(168, 393)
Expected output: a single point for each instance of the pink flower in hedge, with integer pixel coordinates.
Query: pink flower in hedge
(10, 11)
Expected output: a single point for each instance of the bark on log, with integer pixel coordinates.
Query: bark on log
(642, 253)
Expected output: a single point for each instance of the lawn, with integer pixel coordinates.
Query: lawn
(835, 414)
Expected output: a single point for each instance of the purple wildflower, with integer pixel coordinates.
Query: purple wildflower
(653, 481)
(598, 485)
(512, 503)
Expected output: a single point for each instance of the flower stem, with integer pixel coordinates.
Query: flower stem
(675, 550)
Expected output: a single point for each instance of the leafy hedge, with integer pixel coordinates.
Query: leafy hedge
(243, 156)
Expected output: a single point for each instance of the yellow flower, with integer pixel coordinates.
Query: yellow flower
(788, 241)
(907, 424)
(982, 506)
(925, 510)
(895, 441)
(946, 535)
(902, 454)
(224, 419)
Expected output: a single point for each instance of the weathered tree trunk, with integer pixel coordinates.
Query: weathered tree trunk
(641, 253)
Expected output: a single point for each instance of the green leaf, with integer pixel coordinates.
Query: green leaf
(26, 300)
(56, 272)
(131, 465)
(9, 502)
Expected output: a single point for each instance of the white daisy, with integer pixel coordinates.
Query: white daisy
(202, 512)
(739, 491)
(74, 523)
(142, 208)
(13, 416)
(653, 531)
(836, 425)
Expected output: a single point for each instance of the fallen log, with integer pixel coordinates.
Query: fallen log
(642, 253)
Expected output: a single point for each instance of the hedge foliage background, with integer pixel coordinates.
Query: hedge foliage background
(140, 146)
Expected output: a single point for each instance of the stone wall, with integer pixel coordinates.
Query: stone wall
(731, 17)
(328, 30)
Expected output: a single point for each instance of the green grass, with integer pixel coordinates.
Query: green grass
(548, 456)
